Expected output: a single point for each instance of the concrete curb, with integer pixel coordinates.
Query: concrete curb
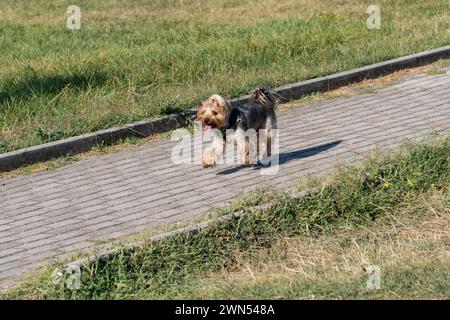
(79, 144)
(103, 257)
(83, 143)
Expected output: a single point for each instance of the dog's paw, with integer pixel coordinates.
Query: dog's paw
(208, 164)
(209, 160)
(264, 163)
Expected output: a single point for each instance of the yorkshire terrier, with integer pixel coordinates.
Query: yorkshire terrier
(257, 114)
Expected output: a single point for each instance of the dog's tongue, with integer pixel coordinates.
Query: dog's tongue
(206, 128)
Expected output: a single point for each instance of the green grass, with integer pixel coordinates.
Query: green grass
(434, 72)
(361, 215)
(137, 59)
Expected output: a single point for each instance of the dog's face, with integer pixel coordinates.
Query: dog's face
(213, 113)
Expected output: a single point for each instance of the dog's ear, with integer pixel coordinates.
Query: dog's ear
(200, 109)
(228, 106)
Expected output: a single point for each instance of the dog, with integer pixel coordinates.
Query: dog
(255, 116)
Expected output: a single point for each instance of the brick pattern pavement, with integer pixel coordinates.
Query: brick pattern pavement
(47, 215)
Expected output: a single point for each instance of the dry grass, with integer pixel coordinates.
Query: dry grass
(416, 237)
(223, 11)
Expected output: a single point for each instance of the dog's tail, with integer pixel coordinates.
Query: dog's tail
(264, 96)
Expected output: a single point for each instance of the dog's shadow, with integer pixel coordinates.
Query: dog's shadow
(285, 157)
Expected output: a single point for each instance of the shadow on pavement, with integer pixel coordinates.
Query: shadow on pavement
(285, 157)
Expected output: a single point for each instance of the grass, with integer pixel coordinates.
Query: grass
(434, 72)
(137, 59)
(391, 211)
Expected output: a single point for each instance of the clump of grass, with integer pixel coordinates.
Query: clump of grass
(50, 135)
(2, 146)
(356, 195)
(434, 72)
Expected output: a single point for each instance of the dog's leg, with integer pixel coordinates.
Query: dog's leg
(252, 150)
(266, 156)
(224, 148)
(209, 157)
(264, 147)
(272, 125)
(219, 146)
(246, 153)
(242, 145)
(257, 146)
(243, 150)
(214, 154)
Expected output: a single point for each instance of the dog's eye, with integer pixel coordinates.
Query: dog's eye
(214, 113)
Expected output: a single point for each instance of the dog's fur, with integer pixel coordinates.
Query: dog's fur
(217, 113)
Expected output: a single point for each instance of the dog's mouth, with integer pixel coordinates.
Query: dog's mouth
(209, 126)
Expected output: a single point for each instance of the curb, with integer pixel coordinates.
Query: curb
(75, 145)
(71, 146)
(192, 229)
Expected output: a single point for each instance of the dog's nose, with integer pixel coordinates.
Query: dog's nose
(206, 120)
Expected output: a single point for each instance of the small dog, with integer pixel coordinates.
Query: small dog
(218, 114)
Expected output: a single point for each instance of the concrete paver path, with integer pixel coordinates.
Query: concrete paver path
(47, 215)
